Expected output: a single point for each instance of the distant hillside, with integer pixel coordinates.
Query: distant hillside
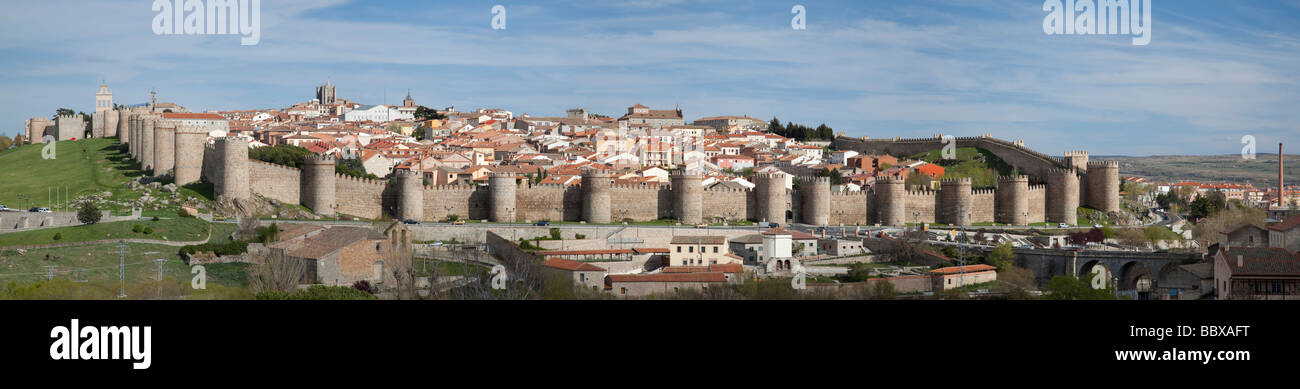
(1262, 171)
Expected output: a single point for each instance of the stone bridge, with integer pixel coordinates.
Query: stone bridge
(1130, 272)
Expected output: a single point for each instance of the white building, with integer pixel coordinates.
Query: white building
(376, 113)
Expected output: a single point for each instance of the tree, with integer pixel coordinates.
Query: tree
(1002, 256)
(64, 112)
(5, 142)
(20, 140)
(354, 168)
(426, 113)
(1070, 288)
(88, 213)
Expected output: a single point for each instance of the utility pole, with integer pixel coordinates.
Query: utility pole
(158, 291)
(121, 269)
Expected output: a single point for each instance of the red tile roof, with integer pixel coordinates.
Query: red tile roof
(961, 269)
(564, 264)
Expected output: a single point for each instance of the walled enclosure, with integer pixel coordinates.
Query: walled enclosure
(1049, 192)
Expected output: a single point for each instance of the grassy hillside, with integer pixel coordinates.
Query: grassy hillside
(981, 166)
(85, 167)
(175, 229)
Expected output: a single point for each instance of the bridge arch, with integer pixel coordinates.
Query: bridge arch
(1104, 273)
(1135, 275)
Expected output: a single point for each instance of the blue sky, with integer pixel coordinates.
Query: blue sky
(1213, 72)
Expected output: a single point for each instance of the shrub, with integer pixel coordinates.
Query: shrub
(229, 248)
(364, 286)
(155, 218)
(555, 234)
(317, 292)
(137, 228)
(58, 236)
(88, 213)
(148, 230)
(580, 236)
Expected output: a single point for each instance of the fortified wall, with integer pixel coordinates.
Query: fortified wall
(1050, 191)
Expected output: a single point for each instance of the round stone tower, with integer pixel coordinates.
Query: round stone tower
(232, 157)
(189, 154)
(501, 197)
(595, 197)
(1063, 196)
(688, 197)
(147, 144)
(816, 199)
(1103, 185)
(317, 184)
(772, 197)
(890, 200)
(1013, 200)
(955, 201)
(111, 118)
(122, 117)
(164, 147)
(410, 195)
(132, 139)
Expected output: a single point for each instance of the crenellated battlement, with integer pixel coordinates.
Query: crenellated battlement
(1075, 153)
(315, 159)
(1103, 164)
(955, 181)
(1011, 179)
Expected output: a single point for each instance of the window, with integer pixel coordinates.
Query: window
(623, 290)
(691, 249)
(679, 249)
(715, 249)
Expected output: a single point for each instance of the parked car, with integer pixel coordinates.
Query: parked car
(773, 225)
(1096, 226)
(458, 222)
(701, 225)
(409, 221)
(3, 208)
(1062, 225)
(542, 223)
(38, 209)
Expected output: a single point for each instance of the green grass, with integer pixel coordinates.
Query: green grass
(85, 167)
(425, 266)
(100, 263)
(981, 166)
(177, 229)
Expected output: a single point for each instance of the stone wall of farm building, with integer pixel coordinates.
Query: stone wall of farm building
(643, 289)
(902, 285)
(465, 202)
(274, 181)
(729, 204)
(1037, 203)
(982, 205)
(849, 208)
(361, 197)
(640, 202)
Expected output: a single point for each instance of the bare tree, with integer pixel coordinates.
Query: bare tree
(275, 272)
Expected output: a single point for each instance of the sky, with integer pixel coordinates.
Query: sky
(1213, 72)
